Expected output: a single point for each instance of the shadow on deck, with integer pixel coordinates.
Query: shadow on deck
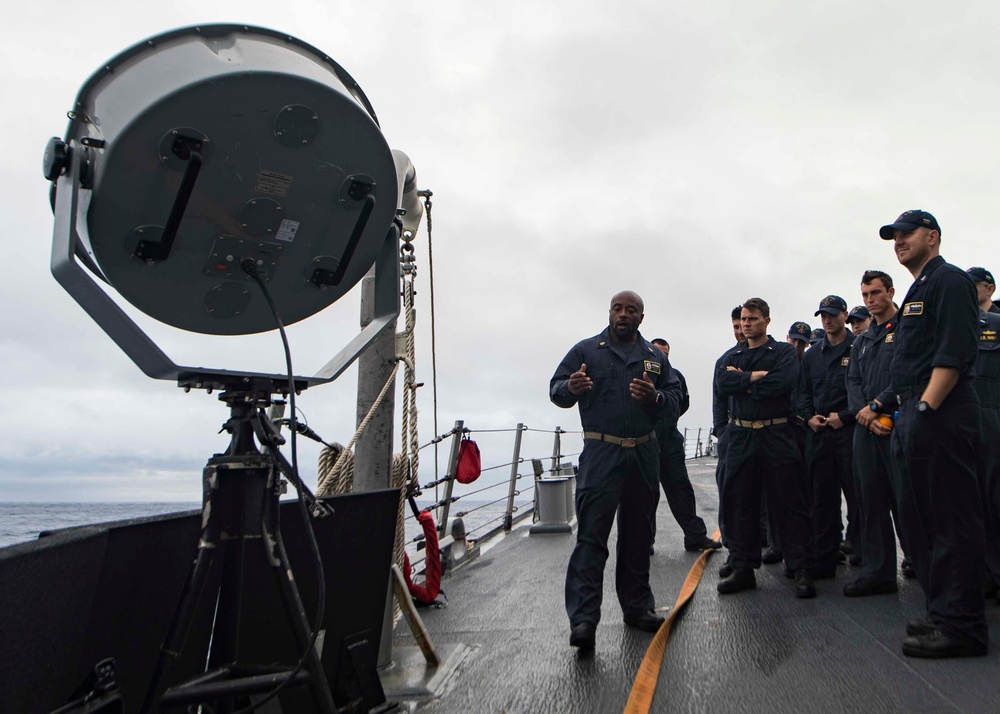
(757, 651)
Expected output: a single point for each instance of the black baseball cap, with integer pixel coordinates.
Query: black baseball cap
(908, 221)
(799, 331)
(859, 313)
(832, 305)
(981, 275)
(817, 335)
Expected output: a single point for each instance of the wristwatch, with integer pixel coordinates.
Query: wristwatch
(923, 407)
(873, 405)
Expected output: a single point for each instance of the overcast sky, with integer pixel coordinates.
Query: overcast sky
(697, 153)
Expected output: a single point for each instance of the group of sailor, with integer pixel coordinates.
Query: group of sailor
(900, 414)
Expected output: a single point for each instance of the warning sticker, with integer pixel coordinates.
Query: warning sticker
(287, 230)
(273, 183)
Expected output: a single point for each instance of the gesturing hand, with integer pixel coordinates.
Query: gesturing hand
(643, 389)
(579, 382)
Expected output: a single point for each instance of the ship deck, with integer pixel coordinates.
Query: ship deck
(507, 636)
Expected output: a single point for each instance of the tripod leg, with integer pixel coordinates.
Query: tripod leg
(297, 619)
(210, 545)
(181, 622)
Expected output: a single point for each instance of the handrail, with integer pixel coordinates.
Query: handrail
(696, 443)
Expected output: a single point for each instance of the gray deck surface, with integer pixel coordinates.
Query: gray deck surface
(757, 651)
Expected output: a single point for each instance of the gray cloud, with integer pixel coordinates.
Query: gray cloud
(699, 154)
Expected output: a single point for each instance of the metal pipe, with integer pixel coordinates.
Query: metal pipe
(536, 467)
(556, 451)
(409, 610)
(452, 470)
(513, 477)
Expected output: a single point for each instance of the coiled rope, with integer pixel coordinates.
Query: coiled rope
(336, 465)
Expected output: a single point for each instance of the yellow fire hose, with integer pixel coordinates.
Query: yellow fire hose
(644, 687)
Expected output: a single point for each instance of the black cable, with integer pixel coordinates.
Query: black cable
(500, 466)
(250, 268)
(552, 431)
(437, 439)
(483, 525)
(479, 490)
(463, 514)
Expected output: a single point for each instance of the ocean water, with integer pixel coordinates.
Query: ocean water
(21, 522)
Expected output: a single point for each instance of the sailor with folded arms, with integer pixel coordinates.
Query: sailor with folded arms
(798, 337)
(622, 385)
(760, 378)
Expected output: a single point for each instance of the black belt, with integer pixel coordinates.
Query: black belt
(904, 394)
(627, 442)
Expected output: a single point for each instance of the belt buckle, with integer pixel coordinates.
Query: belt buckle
(628, 443)
(757, 424)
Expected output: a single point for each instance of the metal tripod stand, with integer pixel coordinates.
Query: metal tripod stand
(239, 515)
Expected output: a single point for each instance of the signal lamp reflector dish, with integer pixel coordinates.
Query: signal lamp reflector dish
(210, 146)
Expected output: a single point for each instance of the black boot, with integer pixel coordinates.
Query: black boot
(727, 568)
(741, 579)
(804, 587)
(771, 556)
(583, 635)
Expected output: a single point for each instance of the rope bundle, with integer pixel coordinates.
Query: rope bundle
(336, 462)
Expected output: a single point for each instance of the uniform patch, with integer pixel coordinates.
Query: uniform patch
(844, 361)
(649, 365)
(913, 308)
(890, 337)
(988, 336)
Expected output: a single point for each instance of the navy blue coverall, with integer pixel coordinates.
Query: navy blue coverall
(987, 386)
(874, 473)
(614, 478)
(674, 476)
(720, 427)
(760, 454)
(828, 452)
(941, 513)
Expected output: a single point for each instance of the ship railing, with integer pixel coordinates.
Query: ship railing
(697, 443)
(505, 491)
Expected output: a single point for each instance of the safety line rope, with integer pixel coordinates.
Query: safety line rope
(323, 487)
(644, 686)
(426, 195)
